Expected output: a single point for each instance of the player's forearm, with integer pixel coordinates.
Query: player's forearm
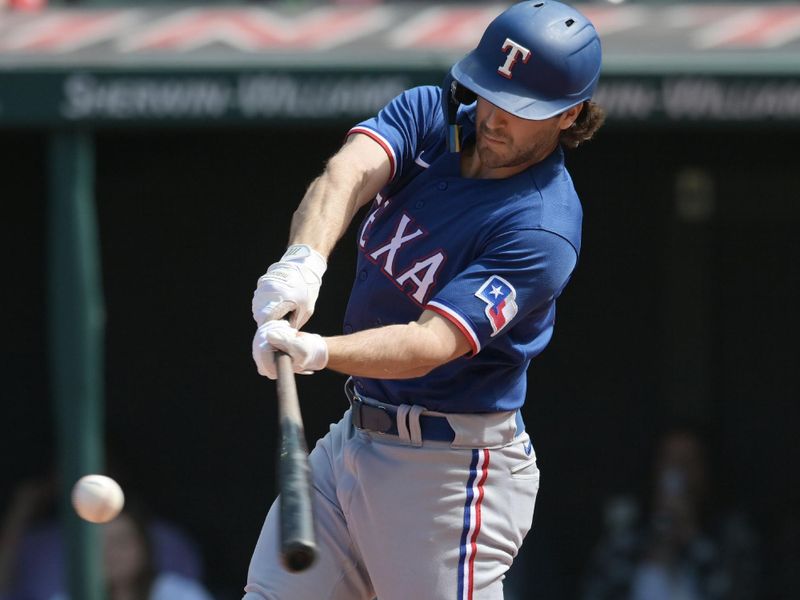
(326, 210)
(391, 352)
(352, 177)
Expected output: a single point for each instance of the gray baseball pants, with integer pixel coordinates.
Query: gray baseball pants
(400, 518)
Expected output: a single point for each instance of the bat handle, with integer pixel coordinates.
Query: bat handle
(298, 546)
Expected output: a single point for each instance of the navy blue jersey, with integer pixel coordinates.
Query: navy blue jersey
(490, 255)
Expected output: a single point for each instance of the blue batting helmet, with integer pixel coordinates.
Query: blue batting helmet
(535, 60)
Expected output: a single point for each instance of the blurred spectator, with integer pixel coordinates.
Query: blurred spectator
(679, 549)
(130, 570)
(32, 549)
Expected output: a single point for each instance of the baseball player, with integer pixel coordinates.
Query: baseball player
(426, 487)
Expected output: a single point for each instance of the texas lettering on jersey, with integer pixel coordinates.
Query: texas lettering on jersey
(417, 279)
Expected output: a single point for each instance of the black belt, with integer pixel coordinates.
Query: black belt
(383, 419)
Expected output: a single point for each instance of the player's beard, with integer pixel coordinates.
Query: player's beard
(510, 154)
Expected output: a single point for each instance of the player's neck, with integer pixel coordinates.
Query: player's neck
(473, 168)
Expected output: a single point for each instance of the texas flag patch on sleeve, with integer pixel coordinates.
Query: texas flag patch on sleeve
(499, 296)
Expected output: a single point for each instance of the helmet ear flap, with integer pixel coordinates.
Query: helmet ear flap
(464, 95)
(453, 95)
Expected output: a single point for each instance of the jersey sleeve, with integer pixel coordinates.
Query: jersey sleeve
(401, 126)
(519, 273)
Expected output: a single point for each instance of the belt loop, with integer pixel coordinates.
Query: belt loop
(414, 424)
(402, 422)
(355, 404)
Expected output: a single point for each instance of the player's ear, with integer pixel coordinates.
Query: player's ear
(569, 116)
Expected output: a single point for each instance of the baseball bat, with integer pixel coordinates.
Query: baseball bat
(298, 546)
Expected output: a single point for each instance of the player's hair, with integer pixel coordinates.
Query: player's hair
(585, 126)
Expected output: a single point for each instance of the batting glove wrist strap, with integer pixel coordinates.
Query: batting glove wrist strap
(290, 287)
(302, 254)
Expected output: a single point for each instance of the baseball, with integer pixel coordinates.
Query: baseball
(97, 498)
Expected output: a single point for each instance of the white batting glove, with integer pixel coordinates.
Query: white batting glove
(309, 351)
(290, 285)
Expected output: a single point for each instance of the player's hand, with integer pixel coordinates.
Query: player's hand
(290, 285)
(309, 351)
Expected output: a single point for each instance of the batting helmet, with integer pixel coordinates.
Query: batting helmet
(535, 60)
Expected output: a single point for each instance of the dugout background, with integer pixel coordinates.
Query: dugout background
(669, 316)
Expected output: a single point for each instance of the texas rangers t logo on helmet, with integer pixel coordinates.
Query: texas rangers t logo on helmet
(517, 52)
(499, 296)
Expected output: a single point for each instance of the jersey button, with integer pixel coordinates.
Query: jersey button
(419, 204)
(362, 275)
(442, 185)
(348, 328)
